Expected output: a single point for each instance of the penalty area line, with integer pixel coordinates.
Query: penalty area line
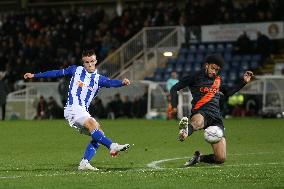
(155, 164)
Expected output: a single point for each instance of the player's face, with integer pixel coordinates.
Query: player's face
(212, 70)
(89, 63)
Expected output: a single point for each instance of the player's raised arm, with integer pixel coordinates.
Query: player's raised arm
(228, 91)
(53, 73)
(106, 82)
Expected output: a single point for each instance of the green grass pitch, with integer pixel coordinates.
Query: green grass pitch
(45, 154)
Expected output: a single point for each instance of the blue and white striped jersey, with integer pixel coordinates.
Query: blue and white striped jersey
(83, 86)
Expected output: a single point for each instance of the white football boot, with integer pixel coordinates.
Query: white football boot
(85, 165)
(115, 148)
(183, 129)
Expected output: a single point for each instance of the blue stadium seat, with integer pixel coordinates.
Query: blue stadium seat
(181, 60)
(220, 48)
(190, 58)
(234, 64)
(187, 67)
(167, 76)
(169, 68)
(201, 48)
(232, 75)
(211, 48)
(199, 57)
(197, 66)
(245, 65)
(158, 77)
(160, 70)
(179, 67)
(182, 53)
(254, 64)
(246, 57)
(226, 66)
(192, 49)
(256, 57)
(229, 47)
(236, 58)
(227, 56)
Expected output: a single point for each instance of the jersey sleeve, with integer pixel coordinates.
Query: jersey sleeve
(228, 91)
(106, 82)
(183, 83)
(57, 73)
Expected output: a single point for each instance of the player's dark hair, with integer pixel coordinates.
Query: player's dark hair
(215, 59)
(88, 52)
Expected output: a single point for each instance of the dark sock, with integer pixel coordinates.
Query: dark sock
(190, 129)
(207, 158)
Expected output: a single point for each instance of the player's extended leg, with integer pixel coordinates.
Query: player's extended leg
(94, 129)
(220, 152)
(218, 157)
(186, 129)
(88, 155)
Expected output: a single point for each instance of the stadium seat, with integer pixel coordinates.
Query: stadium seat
(190, 58)
(181, 60)
(169, 68)
(192, 49)
(211, 48)
(246, 57)
(229, 47)
(167, 76)
(179, 67)
(232, 76)
(199, 57)
(244, 65)
(236, 58)
(158, 77)
(254, 64)
(227, 56)
(187, 67)
(182, 53)
(201, 48)
(256, 57)
(220, 48)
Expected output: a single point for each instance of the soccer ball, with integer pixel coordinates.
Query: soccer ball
(213, 134)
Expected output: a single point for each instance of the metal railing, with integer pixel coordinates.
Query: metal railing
(138, 47)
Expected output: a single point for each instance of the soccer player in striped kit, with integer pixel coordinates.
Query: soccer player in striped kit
(206, 87)
(84, 86)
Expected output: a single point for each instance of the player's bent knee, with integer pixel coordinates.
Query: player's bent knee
(196, 125)
(91, 124)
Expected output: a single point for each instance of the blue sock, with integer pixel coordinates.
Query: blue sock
(91, 150)
(99, 137)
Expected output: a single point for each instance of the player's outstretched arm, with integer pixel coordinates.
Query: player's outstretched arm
(106, 82)
(228, 91)
(53, 73)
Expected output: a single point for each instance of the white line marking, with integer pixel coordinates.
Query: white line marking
(40, 175)
(155, 164)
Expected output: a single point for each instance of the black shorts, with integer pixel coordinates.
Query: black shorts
(210, 120)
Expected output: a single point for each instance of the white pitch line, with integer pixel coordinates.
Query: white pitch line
(155, 164)
(38, 175)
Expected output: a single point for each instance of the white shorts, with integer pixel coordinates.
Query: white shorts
(76, 116)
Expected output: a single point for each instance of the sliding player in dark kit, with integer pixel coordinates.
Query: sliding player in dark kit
(206, 87)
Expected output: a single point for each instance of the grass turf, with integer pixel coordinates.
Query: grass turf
(45, 154)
